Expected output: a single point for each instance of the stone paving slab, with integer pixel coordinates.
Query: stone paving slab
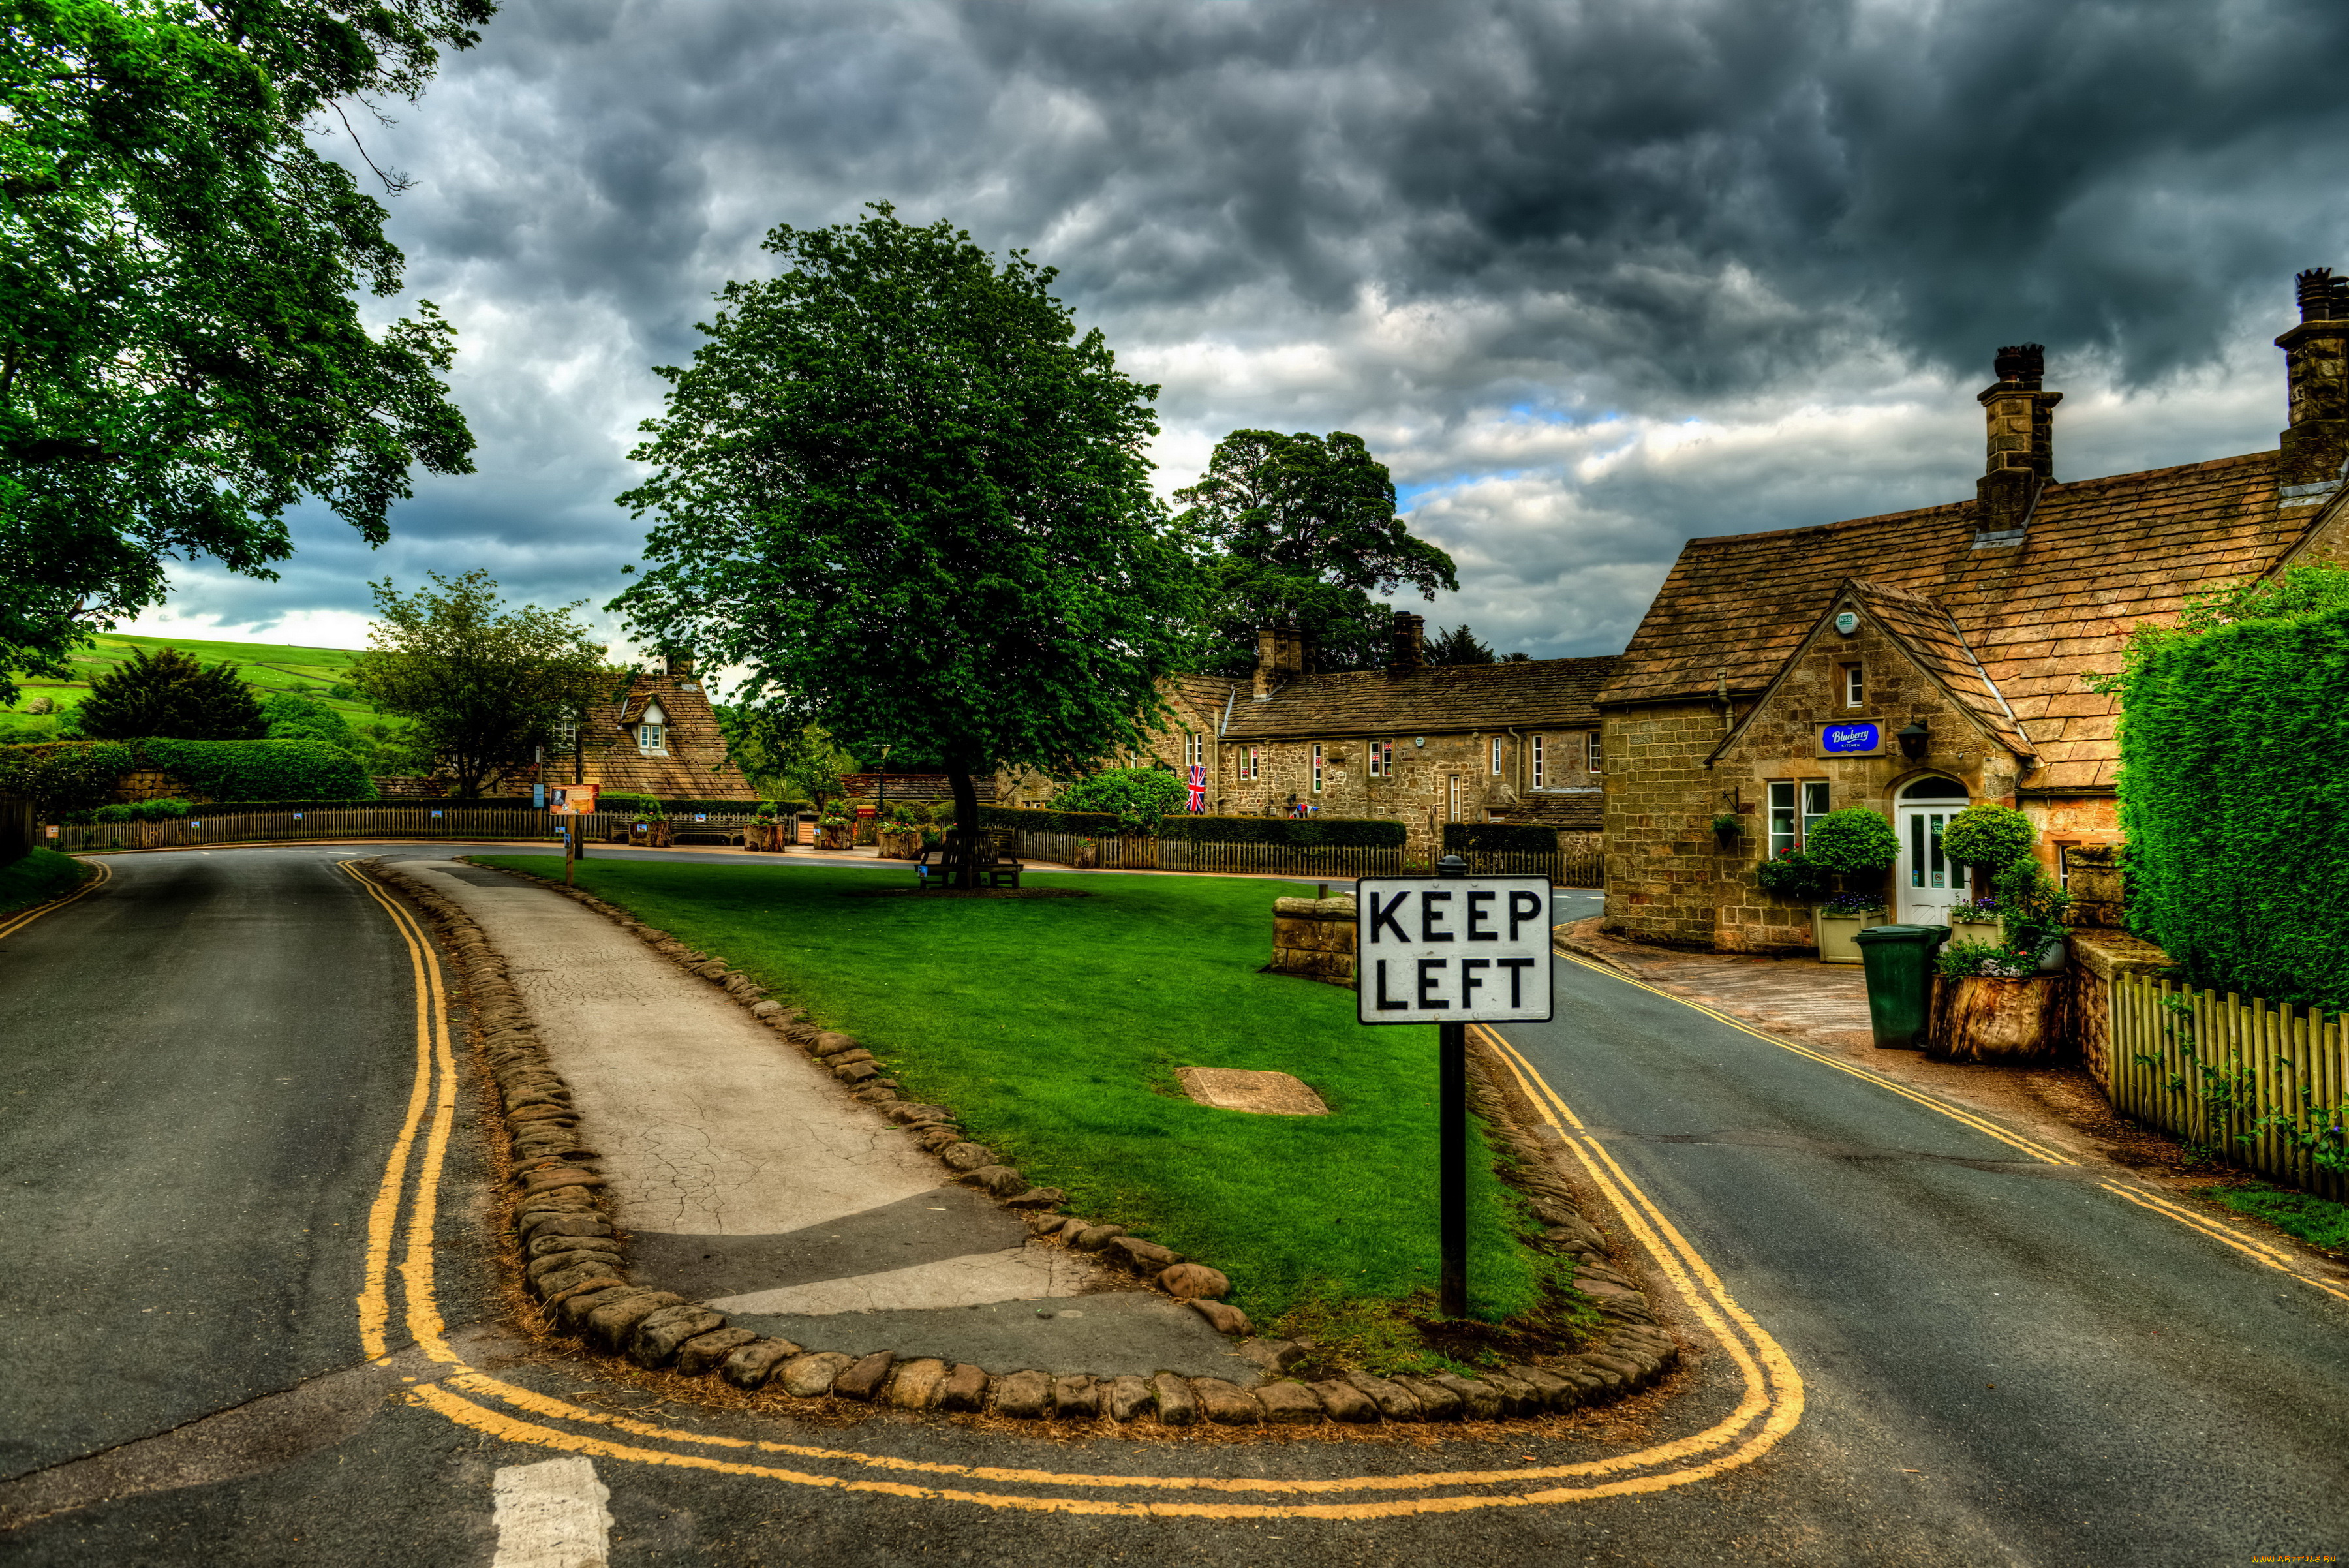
(1800, 998)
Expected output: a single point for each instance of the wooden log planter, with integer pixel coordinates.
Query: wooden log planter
(1980, 1018)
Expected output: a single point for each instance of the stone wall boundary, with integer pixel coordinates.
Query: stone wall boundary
(571, 1258)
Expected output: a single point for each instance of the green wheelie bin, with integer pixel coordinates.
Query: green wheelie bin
(1899, 960)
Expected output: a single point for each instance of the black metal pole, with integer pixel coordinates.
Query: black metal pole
(1452, 1147)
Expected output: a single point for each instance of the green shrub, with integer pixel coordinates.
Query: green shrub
(1136, 797)
(260, 770)
(2234, 785)
(164, 810)
(1498, 837)
(626, 803)
(1958, 960)
(1988, 835)
(1851, 842)
(66, 775)
(1793, 877)
(2033, 906)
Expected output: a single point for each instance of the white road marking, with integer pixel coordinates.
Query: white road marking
(551, 1515)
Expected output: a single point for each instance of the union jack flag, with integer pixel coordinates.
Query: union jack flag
(1198, 788)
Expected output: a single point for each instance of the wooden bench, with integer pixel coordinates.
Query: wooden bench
(996, 865)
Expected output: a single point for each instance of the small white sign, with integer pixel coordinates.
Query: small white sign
(1460, 949)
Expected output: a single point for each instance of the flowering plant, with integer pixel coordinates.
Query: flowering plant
(1847, 906)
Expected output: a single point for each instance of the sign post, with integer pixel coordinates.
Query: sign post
(573, 802)
(1452, 952)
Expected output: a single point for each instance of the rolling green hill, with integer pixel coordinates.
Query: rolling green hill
(315, 672)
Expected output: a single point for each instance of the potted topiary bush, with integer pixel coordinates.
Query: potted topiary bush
(1858, 847)
(1986, 838)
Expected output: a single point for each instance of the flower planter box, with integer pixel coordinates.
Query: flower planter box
(900, 843)
(834, 838)
(1838, 935)
(767, 837)
(1980, 1018)
(1088, 856)
(651, 836)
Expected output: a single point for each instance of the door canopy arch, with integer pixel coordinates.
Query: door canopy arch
(1932, 787)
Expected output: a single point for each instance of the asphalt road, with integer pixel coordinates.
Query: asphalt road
(207, 1062)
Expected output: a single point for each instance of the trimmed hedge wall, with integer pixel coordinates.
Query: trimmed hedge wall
(2234, 789)
(260, 770)
(1499, 837)
(1300, 833)
(67, 775)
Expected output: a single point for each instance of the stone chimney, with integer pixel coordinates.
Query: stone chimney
(1281, 656)
(1410, 644)
(2317, 362)
(2021, 427)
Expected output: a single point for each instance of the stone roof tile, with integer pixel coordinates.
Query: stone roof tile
(1540, 693)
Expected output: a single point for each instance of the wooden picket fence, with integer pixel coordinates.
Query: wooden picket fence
(202, 825)
(2266, 1086)
(1588, 870)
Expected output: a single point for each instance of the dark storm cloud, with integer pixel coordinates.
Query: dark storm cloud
(1525, 249)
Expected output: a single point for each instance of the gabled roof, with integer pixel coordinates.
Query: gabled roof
(697, 767)
(2099, 557)
(1934, 641)
(1444, 698)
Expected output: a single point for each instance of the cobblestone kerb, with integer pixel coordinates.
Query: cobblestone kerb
(573, 1261)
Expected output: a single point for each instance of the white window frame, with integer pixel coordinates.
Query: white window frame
(1381, 759)
(567, 735)
(1793, 806)
(1195, 750)
(1594, 753)
(1251, 763)
(1541, 764)
(1316, 767)
(1497, 755)
(1855, 686)
(652, 740)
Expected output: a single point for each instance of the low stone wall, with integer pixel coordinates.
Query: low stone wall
(2094, 880)
(1314, 938)
(2098, 957)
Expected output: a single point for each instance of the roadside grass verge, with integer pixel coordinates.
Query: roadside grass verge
(1054, 1027)
(2319, 1221)
(37, 878)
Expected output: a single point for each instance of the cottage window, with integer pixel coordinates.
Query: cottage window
(1195, 750)
(1855, 687)
(1541, 762)
(1316, 767)
(1251, 762)
(1593, 751)
(652, 740)
(1381, 759)
(566, 735)
(1496, 753)
(1795, 805)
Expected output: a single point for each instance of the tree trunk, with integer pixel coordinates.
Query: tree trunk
(965, 799)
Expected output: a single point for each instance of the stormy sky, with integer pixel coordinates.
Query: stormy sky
(1591, 278)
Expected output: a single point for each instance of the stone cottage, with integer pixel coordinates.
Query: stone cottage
(1413, 743)
(1917, 662)
(661, 738)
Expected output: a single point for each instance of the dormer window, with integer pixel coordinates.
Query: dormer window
(652, 732)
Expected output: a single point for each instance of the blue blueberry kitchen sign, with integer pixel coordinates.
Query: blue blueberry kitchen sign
(1845, 739)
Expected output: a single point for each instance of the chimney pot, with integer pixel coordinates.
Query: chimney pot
(1410, 643)
(2019, 430)
(2316, 376)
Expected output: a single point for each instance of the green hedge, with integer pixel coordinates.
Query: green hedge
(260, 770)
(66, 775)
(1348, 833)
(2234, 789)
(1498, 839)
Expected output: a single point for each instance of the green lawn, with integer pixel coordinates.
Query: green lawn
(40, 875)
(1054, 1027)
(2319, 1221)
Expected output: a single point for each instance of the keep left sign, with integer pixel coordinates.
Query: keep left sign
(1457, 950)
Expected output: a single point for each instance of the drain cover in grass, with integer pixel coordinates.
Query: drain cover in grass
(1231, 1089)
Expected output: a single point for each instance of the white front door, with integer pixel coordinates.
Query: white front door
(1926, 883)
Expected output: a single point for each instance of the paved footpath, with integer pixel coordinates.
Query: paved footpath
(1951, 1351)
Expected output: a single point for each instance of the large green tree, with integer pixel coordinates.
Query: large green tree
(483, 685)
(181, 358)
(1307, 531)
(902, 493)
(168, 693)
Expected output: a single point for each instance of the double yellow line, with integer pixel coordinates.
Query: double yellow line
(11, 924)
(1772, 1393)
(2249, 1246)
